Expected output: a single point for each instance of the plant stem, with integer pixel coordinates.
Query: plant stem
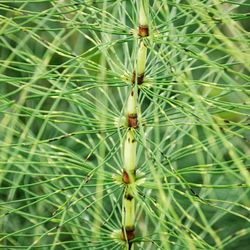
(129, 173)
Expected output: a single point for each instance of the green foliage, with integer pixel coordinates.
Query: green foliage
(65, 75)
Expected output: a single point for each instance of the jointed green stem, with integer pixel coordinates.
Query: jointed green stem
(129, 174)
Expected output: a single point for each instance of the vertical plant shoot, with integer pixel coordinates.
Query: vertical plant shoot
(129, 173)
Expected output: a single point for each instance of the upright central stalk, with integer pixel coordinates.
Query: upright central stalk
(129, 171)
(128, 216)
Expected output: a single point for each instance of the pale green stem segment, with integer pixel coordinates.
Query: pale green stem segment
(141, 58)
(143, 20)
(130, 152)
(129, 168)
(131, 104)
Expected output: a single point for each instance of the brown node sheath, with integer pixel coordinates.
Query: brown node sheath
(132, 121)
(129, 197)
(140, 78)
(128, 233)
(143, 31)
(125, 176)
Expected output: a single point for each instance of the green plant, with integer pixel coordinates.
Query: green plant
(88, 94)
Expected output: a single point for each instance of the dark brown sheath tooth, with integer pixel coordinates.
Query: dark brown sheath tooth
(132, 121)
(140, 78)
(129, 197)
(130, 233)
(125, 177)
(143, 31)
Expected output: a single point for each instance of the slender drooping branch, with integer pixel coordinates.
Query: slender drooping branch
(129, 172)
